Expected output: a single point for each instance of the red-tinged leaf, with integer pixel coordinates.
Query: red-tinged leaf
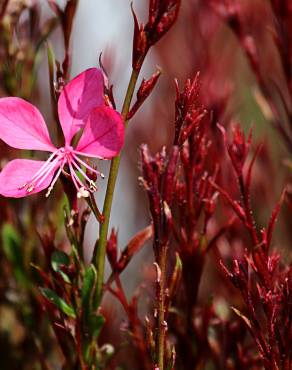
(43, 275)
(242, 316)
(188, 112)
(55, 7)
(60, 260)
(260, 340)
(143, 92)
(136, 23)
(194, 121)
(273, 218)
(234, 204)
(250, 168)
(166, 21)
(153, 12)
(51, 65)
(3, 9)
(172, 358)
(150, 337)
(260, 260)
(134, 245)
(177, 92)
(222, 131)
(140, 44)
(238, 148)
(68, 19)
(170, 176)
(150, 168)
(47, 29)
(112, 248)
(47, 306)
(66, 341)
(47, 242)
(162, 16)
(226, 271)
(60, 326)
(250, 262)
(175, 277)
(219, 233)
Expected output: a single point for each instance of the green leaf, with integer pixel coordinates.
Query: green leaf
(96, 324)
(51, 60)
(11, 242)
(89, 282)
(60, 259)
(58, 302)
(87, 294)
(93, 322)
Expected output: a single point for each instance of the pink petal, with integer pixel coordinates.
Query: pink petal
(19, 172)
(22, 125)
(103, 135)
(77, 99)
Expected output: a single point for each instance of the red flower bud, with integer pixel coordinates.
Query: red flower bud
(238, 149)
(111, 249)
(143, 92)
(162, 15)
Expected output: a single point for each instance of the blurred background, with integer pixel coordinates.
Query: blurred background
(201, 40)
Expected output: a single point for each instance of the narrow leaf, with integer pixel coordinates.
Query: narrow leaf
(58, 302)
(134, 245)
(11, 243)
(60, 259)
(242, 316)
(89, 282)
(96, 324)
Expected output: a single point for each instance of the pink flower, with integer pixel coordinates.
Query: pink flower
(81, 106)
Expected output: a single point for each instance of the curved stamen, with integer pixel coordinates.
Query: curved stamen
(41, 170)
(50, 188)
(74, 177)
(41, 177)
(46, 171)
(86, 165)
(57, 161)
(88, 155)
(92, 185)
(82, 191)
(45, 165)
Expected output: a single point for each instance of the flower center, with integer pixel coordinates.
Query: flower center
(56, 163)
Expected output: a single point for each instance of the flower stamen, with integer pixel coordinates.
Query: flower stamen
(42, 173)
(50, 188)
(91, 183)
(86, 165)
(75, 178)
(59, 158)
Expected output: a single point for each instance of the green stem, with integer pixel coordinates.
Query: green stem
(114, 169)
(161, 324)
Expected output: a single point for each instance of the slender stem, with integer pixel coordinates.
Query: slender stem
(92, 204)
(114, 169)
(248, 211)
(161, 322)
